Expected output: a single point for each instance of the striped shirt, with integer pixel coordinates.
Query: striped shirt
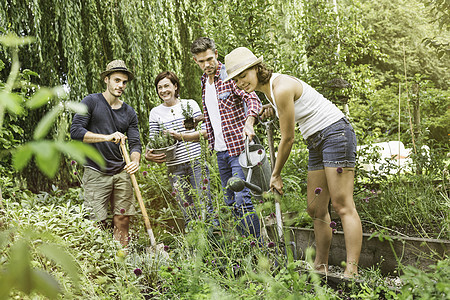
(234, 107)
(171, 118)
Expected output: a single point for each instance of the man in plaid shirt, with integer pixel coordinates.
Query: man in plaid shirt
(229, 115)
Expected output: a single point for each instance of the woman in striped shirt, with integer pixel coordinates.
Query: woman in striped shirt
(188, 176)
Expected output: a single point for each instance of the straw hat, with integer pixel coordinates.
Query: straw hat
(117, 66)
(239, 60)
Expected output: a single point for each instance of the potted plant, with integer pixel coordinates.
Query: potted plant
(188, 114)
(163, 142)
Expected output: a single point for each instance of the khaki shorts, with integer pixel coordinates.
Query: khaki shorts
(103, 191)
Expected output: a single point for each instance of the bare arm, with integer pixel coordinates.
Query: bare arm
(284, 97)
(189, 136)
(115, 137)
(248, 127)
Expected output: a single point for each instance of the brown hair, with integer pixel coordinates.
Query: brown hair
(172, 77)
(202, 44)
(263, 73)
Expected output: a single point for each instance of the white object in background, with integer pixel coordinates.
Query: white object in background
(393, 153)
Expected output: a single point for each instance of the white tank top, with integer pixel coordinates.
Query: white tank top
(313, 112)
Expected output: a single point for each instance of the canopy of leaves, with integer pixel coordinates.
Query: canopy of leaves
(399, 28)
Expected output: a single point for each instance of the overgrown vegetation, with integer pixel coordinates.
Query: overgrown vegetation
(201, 265)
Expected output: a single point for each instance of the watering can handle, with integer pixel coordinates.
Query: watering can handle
(247, 152)
(247, 148)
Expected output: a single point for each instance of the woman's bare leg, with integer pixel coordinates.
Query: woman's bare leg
(340, 186)
(318, 210)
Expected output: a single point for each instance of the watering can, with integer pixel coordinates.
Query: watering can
(255, 166)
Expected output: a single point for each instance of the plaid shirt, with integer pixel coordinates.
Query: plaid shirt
(234, 107)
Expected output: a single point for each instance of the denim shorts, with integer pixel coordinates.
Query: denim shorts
(333, 146)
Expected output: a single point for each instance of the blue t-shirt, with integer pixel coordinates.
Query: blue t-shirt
(102, 119)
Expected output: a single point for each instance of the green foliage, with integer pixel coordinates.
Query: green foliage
(399, 27)
(11, 133)
(156, 192)
(378, 119)
(83, 261)
(202, 264)
(427, 285)
(390, 201)
(362, 43)
(406, 70)
(439, 12)
(19, 274)
(47, 153)
(365, 42)
(187, 111)
(229, 266)
(337, 47)
(434, 105)
(150, 37)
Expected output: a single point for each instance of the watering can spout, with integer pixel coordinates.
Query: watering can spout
(236, 184)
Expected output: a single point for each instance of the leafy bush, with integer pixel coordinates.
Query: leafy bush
(202, 264)
(412, 202)
(47, 153)
(98, 259)
(434, 284)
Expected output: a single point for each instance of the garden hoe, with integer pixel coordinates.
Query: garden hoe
(279, 220)
(159, 249)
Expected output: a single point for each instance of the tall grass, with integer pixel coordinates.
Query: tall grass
(219, 263)
(202, 264)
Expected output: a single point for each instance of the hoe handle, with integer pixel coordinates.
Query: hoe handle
(139, 196)
(278, 215)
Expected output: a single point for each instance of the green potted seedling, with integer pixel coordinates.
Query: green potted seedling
(163, 142)
(188, 114)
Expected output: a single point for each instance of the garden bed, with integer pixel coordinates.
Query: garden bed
(377, 250)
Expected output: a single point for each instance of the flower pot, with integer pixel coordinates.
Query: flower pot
(189, 123)
(170, 152)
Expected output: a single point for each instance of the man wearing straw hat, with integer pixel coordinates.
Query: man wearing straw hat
(229, 115)
(104, 126)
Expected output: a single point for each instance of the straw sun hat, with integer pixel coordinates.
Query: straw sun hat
(117, 66)
(239, 60)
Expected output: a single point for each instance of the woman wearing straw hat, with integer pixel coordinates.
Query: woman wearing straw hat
(331, 143)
